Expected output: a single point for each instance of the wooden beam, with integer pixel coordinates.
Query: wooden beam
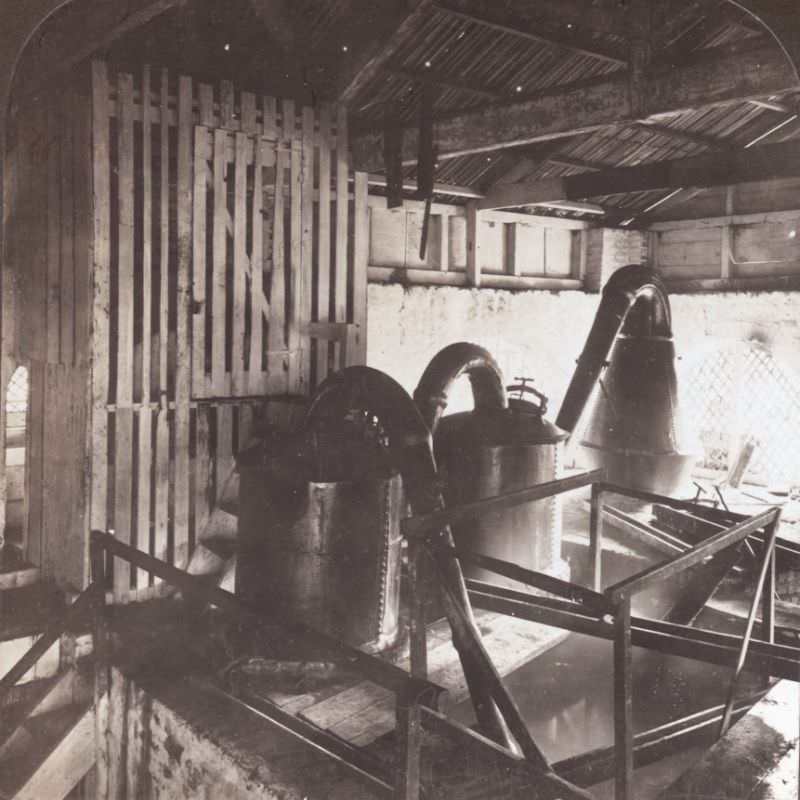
(390, 30)
(705, 83)
(710, 169)
(435, 78)
(705, 140)
(575, 163)
(75, 33)
(438, 188)
(515, 23)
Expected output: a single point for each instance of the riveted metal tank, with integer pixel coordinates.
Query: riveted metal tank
(501, 446)
(319, 532)
(634, 426)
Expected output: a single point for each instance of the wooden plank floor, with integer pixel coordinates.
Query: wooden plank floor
(362, 712)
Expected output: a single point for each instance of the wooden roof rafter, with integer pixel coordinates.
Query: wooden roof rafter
(709, 82)
(523, 26)
(710, 169)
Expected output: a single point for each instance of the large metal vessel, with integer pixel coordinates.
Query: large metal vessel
(319, 533)
(634, 426)
(501, 446)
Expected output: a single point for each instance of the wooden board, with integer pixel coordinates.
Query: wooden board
(362, 712)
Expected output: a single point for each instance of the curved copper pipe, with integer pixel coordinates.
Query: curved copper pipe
(449, 364)
(412, 445)
(634, 300)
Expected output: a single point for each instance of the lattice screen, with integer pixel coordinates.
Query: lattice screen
(17, 395)
(740, 390)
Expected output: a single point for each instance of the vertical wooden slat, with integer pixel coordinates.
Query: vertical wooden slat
(205, 104)
(269, 117)
(145, 415)
(324, 237)
(296, 273)
(276, 343)
(288, 122)
(123, 423)
(360, 258)
(34, 454)
(224, 446)
(68, 223)
(218, 284)
(199, 293)
(342, 209)
(248, 113)
(125, 311)
(162, 456)
(53, 254)
(183, 349)
(147, 234)
(240, 265)
(161, 477)
(255, 380)
(163, 322)
(227, 112)
(305, 283)
(82, 318)
(98, 152)
(202, 470)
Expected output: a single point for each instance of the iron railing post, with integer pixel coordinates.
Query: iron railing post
(418, 633)
(596, 538)
(623, 701)
(767, 566)
(408, 730)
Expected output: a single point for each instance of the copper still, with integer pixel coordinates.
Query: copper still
(501, 446)
(634, 425)
(319, 532)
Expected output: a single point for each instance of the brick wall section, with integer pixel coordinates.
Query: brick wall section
(608, 249)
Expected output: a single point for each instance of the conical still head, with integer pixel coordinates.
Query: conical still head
(634, 425)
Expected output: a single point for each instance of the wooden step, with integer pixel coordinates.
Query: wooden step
(72, 686)
(61, 752)
(15, 572)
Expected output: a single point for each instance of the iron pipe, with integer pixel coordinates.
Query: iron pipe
(411, 444)
(449, 364)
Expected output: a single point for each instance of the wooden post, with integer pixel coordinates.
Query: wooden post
(183, 373)
(123, 418)
(324, 239)
(473, 245)
(623, 701)
(360, 259)
(342, 211)
(97, 559)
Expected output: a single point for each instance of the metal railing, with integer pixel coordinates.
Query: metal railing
(411, 693)
(607, 613)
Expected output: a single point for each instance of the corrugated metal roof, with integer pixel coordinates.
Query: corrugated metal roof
(450, 49)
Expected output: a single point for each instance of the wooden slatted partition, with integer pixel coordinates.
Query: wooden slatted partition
(229, 267)
(46, 316)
